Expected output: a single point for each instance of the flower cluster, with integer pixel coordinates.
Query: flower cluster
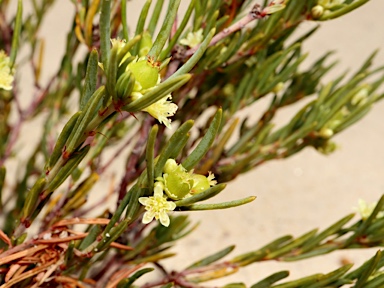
(6, 73)
(177, 183)
(193, 38)
(147, 77)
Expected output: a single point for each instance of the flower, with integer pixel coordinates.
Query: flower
(365, 209)
(162, 109)
(193, 38)
(6, 73)
(177, 181)
(147, 77)
(120, 43)
(157, 206)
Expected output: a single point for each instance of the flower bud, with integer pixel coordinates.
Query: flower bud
(145, 73)
(124, 85)
(200, 184)
(170, 166)
(326, 133)
(177, 184)
(317, 11)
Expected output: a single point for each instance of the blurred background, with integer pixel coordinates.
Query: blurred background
(294, 196)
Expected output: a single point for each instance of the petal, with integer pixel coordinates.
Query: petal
(144, 200)
(170, 206)
(158, 189)
(164, 219)
(148, 217)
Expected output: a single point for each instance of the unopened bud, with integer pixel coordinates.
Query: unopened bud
(317, 11)
(326, 133)
(124, 85)
(145, 73)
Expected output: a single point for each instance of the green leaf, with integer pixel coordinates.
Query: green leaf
(300, 282)
(32, 198)
(140, 24)
(78, 133)
(157, 93)
(340, 12)
(155, 17)
(105, 33)
(331, 277)
(326, 233)
(188, 66)
(126, 283)
(90, 238)
(165, 30)
(111, 73)
(292, 245)
(205, 144)
(124, 22)
(16, 33)
(267, 282)
(212, 258)
(224, 205)
(179, 30)
(90, 79)
(169, 147)
(150, 156)
(370, 267)
(209, 193)
(67, 169)
(3, 172)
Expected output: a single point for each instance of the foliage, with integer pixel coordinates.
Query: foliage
(222, 57)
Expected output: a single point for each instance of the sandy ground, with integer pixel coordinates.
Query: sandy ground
(306, 191)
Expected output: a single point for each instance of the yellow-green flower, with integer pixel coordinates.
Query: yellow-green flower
(365, 209)
(193, 38)
(157, 206)
(147, 76)
(6, 73)
(162, 109)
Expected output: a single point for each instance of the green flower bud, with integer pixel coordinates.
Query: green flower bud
(171, 166)
(177, 184)
(202, 183)
(124, 85)
(326, 133)
(145, 73)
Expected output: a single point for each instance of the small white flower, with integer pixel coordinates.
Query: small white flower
(120, 43)
(365, 209)
(210, 178)
(162, 109)
(6, 73)
(157, 206)
(193, 38)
